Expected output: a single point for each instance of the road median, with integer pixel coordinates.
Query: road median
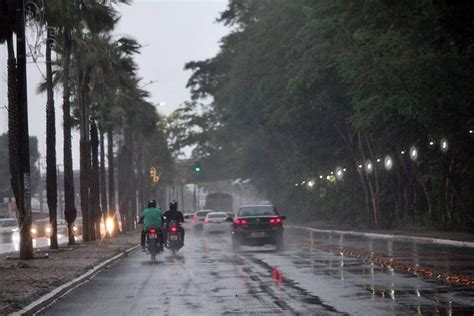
(28, 285)
(450, 239)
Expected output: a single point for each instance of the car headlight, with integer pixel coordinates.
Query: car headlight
(109, 223)
(74, 228)
(48, 230)
(34, 231)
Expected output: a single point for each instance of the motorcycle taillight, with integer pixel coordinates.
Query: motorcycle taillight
(152, 231)
(173, 229)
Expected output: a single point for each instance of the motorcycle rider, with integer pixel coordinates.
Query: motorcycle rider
(152, 217)
(174, 215)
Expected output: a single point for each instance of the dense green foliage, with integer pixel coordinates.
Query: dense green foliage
(301, 87)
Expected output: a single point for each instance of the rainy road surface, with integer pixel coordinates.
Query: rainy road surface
(207, 278)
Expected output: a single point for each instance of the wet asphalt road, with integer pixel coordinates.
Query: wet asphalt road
(207, 278)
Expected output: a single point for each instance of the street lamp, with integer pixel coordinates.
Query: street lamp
(388, 163)
(413, 153)
(339, 173)
(444, 146)
(369, 166)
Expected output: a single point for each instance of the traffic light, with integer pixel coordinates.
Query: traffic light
(154, 175)
(197, 167)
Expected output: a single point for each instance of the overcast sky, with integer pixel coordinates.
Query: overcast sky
(172, 33)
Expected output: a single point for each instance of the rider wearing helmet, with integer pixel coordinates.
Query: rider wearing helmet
(151, 218)
(174, 215)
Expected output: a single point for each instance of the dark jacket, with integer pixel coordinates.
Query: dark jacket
(176, 216)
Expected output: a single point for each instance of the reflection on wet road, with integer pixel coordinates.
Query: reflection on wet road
(206, 277)
(40, 242)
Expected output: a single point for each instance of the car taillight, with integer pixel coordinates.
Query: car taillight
(239, 221)
(152, 231)
(174, 229)
(195, 218)
(206, 221)
(275, 220)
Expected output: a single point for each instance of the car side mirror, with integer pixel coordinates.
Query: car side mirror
(283, 217)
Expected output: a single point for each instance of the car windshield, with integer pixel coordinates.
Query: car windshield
(202, 213)
(216, 216)
(257, 211)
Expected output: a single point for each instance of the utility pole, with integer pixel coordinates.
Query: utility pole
(194, 198)
(24, 205)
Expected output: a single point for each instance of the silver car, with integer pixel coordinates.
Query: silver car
(8, 229)
(217, 222)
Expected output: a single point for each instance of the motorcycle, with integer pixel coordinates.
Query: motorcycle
(174, 237)
(153, 238)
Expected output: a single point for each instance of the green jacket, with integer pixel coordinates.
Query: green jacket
(151, 218)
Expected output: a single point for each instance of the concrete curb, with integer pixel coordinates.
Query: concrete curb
(427, 240)
(47, 299)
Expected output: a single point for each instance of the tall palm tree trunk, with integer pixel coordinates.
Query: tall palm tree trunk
(102, 180)
(24, 204)
(124, 187)
(94, 192)
(51, 177)
(70, 211)
(133, 184)
(84, 149)
(13, 122)
(110, 159)
(140, 176)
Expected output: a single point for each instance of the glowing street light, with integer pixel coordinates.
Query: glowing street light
(369, 166)
(413, 153)
(339, 173)
(388, 163)
(311, 184)
(331, 178)
(444, 145)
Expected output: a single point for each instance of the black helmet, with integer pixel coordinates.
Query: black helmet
(151, 203)
(173, 205)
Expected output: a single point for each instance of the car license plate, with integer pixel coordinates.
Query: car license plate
(173, 237)
(258, 234)
(153, 236)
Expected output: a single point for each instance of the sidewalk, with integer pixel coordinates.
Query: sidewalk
(460, 239)
(24, 281)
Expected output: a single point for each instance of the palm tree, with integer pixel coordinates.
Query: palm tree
(7, 26)
(51, 177)
(72, 18)
(112, 76)
(12, 20)
(95, 180)
(64, 16)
